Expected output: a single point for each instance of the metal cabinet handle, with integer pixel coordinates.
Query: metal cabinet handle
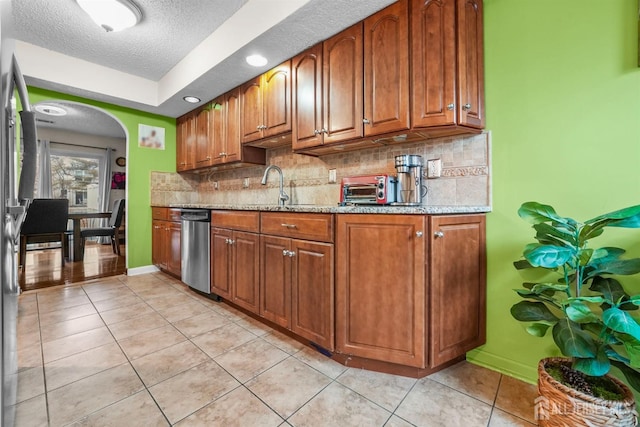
(439, 234)
(285, 252)
(466, 107)
(289, 226)
(291, 254)
(366, 121)
(316, 132)
(323, 130)
(451, 106)
(419, 233)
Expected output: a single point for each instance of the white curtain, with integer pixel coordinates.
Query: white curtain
(104, 190)
(44, 190)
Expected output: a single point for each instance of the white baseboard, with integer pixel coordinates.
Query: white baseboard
(142, 270)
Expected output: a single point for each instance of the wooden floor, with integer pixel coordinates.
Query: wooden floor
(43, 267)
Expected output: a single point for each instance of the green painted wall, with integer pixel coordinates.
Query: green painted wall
(140, 163)
(563, 105)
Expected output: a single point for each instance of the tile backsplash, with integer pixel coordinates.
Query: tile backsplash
(465, 180)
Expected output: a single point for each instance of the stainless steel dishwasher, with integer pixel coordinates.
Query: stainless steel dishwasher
(196, 248)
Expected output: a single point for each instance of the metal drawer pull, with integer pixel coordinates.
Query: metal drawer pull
(439, 234)
(419, 233)
(288, 253)
(290, 226)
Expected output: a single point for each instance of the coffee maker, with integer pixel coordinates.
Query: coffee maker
(409, 188)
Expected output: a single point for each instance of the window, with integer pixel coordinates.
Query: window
(76, 176)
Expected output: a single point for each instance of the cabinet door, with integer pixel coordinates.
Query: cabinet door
(203, 156)
(174, 256)
(312, 314)
(342, 85)
(158, 246)
(245, 270)
(232, 120)
(457, 285)
(217, 126)
(251, 110)
(276, 102)
(386, 70)
(470, 63)
(221, 262)
(380, 287)
(433, 63)
(275, 280)
(185, 143)
(307, 98)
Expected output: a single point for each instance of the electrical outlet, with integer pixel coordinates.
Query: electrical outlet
(332, 176)
(215, 185)
(434, 168)
(245, 183)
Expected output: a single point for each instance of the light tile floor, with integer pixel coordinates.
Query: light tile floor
(147, 351)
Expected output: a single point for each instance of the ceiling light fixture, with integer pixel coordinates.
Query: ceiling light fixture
(50, 110)
(256, 60)
(191, 99)
(112, 15)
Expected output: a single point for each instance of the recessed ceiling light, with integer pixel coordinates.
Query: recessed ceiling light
(112, 15)
(51, 110)
(192, 99)
(256, 60)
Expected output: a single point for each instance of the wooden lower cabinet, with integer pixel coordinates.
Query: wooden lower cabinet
(235, 265)
(296, 287)
(380, 287)
(457, 290)
(165, 237)
(410, 289)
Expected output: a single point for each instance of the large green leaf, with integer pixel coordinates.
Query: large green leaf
(549, 288)
(594, 366)
(548, 256)
(624, 267)
(538, 329)
(547, 233)
(522, 264)
(621, 321)
(632, 346)
(589, 231)
(529, 311)
(573, 341)
(535, 213)
(627, 217)
(580, 312)
(632, 376)
(611, 290)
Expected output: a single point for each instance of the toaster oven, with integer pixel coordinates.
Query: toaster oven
(368, 190)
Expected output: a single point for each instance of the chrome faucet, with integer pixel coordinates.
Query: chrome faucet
(283, 196)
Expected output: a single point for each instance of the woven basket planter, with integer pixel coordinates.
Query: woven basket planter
(560, 406)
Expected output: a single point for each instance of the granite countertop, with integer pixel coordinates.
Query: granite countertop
(434, 210)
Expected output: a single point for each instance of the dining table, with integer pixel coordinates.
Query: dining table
(77, 218)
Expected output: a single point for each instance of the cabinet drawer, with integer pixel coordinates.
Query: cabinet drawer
(173, 214)
(303, 226)
(236, 220)
(159, 213)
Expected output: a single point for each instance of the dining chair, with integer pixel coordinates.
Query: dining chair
(46, 222)
(112, 230)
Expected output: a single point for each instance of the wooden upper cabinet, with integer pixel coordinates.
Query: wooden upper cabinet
(433, 63)
(232, 129)
(203, 149)
(217, 130)
(276, 100)
(251, 116)
(342, 85)
(386, 70)
(471, 63)
(186, 142)
(266, 104)
(306, 70)
(447, 63)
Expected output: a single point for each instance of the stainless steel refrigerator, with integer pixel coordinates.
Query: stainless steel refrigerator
(17, 176)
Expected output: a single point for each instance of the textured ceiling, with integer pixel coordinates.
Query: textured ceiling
(170, 32)
(80, 118)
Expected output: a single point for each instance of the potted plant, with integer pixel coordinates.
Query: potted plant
(590, 316)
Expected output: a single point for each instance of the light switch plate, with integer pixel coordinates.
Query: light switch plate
(332, 176)
(245, 183)
(434, 168)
